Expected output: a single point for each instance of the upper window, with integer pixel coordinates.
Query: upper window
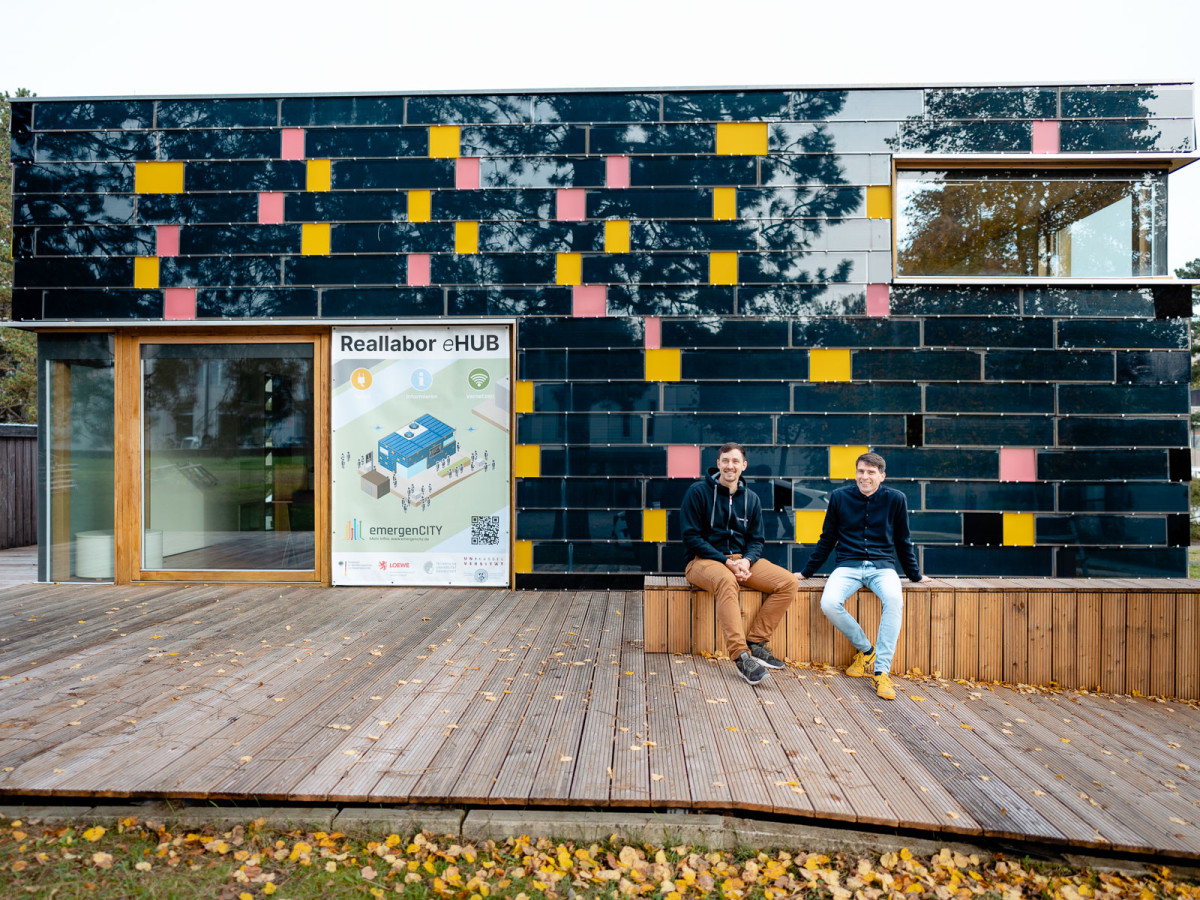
(1031, 224)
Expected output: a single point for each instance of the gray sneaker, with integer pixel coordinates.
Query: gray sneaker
(751, 670)
(765, 656)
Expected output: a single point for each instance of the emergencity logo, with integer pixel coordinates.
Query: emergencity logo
(354, 530)
(360, 379)
(479, 379)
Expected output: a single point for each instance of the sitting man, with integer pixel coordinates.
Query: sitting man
(723, 542)
(868, 523)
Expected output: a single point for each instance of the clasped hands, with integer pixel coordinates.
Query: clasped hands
(739, 567)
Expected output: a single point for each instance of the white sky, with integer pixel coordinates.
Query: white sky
(136, 47)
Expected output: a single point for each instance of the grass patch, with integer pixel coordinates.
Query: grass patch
(146, 859)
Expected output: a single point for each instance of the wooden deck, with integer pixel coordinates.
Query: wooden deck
(491, 697)
(1120, 635)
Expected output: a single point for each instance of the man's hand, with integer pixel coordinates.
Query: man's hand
(925, 579)
(800, 575)
(739, 567)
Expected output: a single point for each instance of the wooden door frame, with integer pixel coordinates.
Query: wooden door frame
(128, 452)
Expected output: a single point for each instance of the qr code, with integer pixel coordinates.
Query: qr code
(485, 530)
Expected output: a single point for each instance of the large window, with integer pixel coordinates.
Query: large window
(228, 456)
(1030, 224)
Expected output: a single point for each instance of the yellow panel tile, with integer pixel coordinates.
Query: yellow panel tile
(145, 272)
(522, 557)
(808, 525)
(158, 178)
(1018, 530)
(443, 141)
(314, 239)
(722, 268)
(616, 236)
(527, 460)
(841, 460)
(879, 201)
(418, 206)
(523, 396)
(466, 237)
(654, 525)
(741, 138)
(320, 174)
(663, 365)
(828, 365)
(569, 268)
(725, 203)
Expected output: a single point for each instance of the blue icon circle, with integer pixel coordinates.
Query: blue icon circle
(422, 379)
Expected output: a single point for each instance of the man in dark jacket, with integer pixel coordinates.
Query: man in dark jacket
(723, 542)
(868, 523)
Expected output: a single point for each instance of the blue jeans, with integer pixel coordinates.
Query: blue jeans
(885, 584)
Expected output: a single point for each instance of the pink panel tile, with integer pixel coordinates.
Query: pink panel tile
(616, 170)
(653, 333)
(466, 173)
(571, 205)
(418, 269)
(166, 240)
(292, 144)
(1045, 136)
(179, 303)
(683, 461)
(589, 300)
(878, 300)
(270, 209)
(1018, 464)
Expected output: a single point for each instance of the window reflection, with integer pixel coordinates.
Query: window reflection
(228, 456)
(1033, 224)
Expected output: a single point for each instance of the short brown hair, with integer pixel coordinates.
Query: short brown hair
(731, 445)
(872, 459)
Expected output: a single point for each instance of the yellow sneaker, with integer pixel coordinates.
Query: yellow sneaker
(883, 686)
(858, 665)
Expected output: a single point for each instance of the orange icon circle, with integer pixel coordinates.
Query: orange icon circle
(360, 379)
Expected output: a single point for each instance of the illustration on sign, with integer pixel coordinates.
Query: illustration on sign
(421, 483)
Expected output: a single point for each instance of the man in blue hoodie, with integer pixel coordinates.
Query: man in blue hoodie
(723, 542)
(868, 523)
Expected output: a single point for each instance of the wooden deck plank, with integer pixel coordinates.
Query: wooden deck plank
(505, 710)
(852, 711)
(668, 763)
(1137, 643)
(514, 780)
(1112, 643)
(370, 754)
(966, 634)
(631, 759)
(1162, 645)
(592, 777)
(991, 631)
(1120, 827)
(942, 614)
(1016, 637)
(1088, 625)
(917, 640)
(508, 658)
(1021, 769)
(1187, 645)
(1040, 653)
(706, 781)
(1065, 646)
(814, 710)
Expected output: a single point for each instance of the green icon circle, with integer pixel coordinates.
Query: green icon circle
(479, 379)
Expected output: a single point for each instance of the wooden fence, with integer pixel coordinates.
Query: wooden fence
(18, 486)
(1116, 635)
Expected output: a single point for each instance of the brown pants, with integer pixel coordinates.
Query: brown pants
(778, 583)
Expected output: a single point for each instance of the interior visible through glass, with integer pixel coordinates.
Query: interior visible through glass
(77, 440)
(228, 479)
(1031, 224)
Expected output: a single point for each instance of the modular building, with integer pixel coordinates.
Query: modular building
(238, 297)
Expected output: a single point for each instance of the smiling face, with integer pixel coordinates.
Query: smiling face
(730, 466)
(869, 478)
